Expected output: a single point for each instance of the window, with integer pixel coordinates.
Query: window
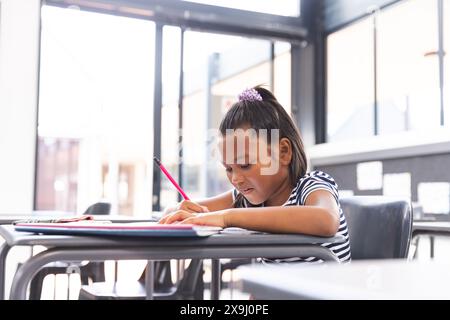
(213, 78)
(446, 37)
(95, 112)
(350, 82)
(404, 50)
(96, 106)
(282, 74)
(169, 113)
(408, 74)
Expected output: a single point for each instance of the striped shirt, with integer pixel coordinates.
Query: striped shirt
(315, 180)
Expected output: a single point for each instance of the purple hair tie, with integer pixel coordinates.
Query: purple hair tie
(250, 95)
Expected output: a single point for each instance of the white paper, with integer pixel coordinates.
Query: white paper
(369, 175)
(434, 197)
(397, 184)
(346, 193)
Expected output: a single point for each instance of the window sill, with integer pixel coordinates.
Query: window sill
(399, 145)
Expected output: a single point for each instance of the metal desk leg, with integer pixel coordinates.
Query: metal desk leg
(4, 249)
(116, 271)
(431, 247)
(215, 279)
(415, 243)
(149, 279)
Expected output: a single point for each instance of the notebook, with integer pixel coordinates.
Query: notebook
(107, 228)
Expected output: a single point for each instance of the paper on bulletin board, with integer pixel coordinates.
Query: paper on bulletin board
(346, 193)
(434, 197)
(397, 184)
(369, 175)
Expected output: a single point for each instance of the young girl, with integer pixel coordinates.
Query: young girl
(275, 196)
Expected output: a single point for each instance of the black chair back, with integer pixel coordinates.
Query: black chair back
(379, 227)
(99, 208)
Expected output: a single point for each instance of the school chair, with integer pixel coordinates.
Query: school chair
(379, 227)
(190, 287)
(94, 271)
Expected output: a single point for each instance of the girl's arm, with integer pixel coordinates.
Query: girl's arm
(220, 202)
(319, 216)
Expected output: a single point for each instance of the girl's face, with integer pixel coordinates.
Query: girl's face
(259, 171)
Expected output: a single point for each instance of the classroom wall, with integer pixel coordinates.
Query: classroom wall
(423, 169)
(19, 48)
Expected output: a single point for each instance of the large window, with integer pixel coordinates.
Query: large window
(95, 112)
(282, 74)
(350, 82)
(96, 105)
(408, 67)
(213, 77)
(398, 48)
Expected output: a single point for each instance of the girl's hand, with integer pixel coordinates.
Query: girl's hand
(187, 205)
(176, 216)
(216, 219)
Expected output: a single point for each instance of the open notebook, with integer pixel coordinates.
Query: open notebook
(107, 228)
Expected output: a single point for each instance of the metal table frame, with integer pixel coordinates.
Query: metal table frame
(431, 229)
(215, 247)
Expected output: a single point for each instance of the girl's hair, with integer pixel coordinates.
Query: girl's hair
(267, 114)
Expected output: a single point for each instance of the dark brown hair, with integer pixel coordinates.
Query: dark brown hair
(267, 114)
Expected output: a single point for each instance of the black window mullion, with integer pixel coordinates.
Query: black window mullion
(375, 11)
(441, 53)
(38, 91)
(180, 115)
(157, 106)
(272, 66)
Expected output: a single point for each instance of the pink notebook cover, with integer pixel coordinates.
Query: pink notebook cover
(109, 228)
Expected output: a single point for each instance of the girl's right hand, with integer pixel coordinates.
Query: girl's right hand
(189, 206)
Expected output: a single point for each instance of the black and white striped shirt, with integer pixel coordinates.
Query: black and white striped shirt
(315, 180)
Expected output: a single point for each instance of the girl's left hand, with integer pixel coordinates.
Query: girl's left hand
(176, 217)
(216, 219)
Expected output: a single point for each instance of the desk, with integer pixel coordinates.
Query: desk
(4, 248)
(215, 247)
(115, 218)
(431, 228)
(358, 280)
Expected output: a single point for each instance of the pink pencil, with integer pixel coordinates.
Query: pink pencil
(158, 162)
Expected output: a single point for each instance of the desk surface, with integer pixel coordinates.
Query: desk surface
(427, 227)
(14, 238)
(118, 218)
(382, 279)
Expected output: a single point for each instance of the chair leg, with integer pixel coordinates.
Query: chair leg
(191, 285)
(163, 279)
(84, 278)
(432, 247)
(416, 247)
(68, 286)
(94, 271)
(200, 286)
(99, 272)
(231, 285)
